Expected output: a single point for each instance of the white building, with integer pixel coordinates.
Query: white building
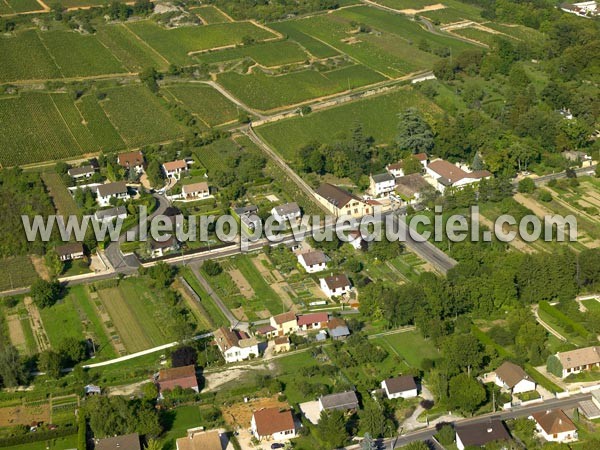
(381, 184)
(513, 378)
(313, 261)
(578, 360)
(400, 387)
(273, 424)
(444, 175)
(105, 192)
(235, 345)
(555, 426)
(108, 215)
(287, 212)
(335, 285)
(82, 172)
(174, 169)
(197, 191)
(397, 169)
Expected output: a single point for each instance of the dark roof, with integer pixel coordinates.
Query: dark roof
(125, 442)
(382, 177)
(511, 374)
(314, 257)
(130, 159)
(75, 171)
(155, 245)
(288, 208)
(402, 383)
(481, 433)
(112, 188)
(110, 213)
(554, 421)
(335, 195)
(69, 249)
(337, 281)
(250, 209)
(342, 400)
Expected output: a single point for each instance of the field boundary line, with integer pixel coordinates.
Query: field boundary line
(37, 33)
(65, 122)
(146, 44)
(178, 100)
(223, 12)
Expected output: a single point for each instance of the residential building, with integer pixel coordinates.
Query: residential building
(174, 169)
(338, 329)
(68, 252)
(108, 215)
(343, 401)
(579, 360)
(513, 378)
(268, 331)
(481, 433)
(313, 261)
(131, 160)
(381, 184)
(198, 439)
(444, 175)
(397, 169)
(356, 240)
(158, 249)
(248, 216)
(335, 285)
(183, 377)
(282, 344)
(235, 345)
(105, 192)
(285, 323)
(341, 203)
(78, 173)
(554, 426)
(411, 187)
(403, 386)
(195, 191)
(313, 321)
(287, 212)
(127, 441)
(273, 423)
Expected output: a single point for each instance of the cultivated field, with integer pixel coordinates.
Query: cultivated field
(18, 272)
(62, 199)
(211, 14)
(268, 54)
(19, 6)
(215, 156)
(315, 47)
(17, 53)
(208, 104)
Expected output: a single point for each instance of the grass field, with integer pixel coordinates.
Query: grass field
(591, 305)
(139, 116)
(211, 14)
(406, 4)
(267, 54)
(18, 272)
(378, 115)
(66, 443)
(63, 202)
(215, 314)
(208, 104)
(264, 296)
(62, 320)
(410, 346)
(175, 44)
(265, 92)
(20, 6)
(481, 36)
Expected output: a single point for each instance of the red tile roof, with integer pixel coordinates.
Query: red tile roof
(309, 319)
(184, 377)
(272, 420)
(130, 159)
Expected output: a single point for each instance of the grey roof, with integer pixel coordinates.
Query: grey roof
(481, 433)
(75, 171)
(120, 187)
(341, 401)
(335, 195)
(69, 249)
(156, 245)
(314, 257)
(250, 209)
(110, 213)
(125, 442)
(383, 177)
(399, 384)
(288, 208)
(339, 332)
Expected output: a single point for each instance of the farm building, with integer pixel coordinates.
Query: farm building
(338, 329)
(313, 261)
(288, 211)
(343, 401)
(481, 433)
(513, 378)
(341, 203)
(86, 171)
(183, 377)
(554, 426)
(400, 387)
(272, 423)
(68, 252)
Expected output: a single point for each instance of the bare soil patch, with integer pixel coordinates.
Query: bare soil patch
(35, 320)
(242, 284)
(240, 414)
(240, 314)
(264, 314)
(412, 12)
(40, 267)
(15, 332)
(24, 415)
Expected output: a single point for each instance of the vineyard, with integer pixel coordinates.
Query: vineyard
(98, 124)
(211, 14)
(17, 271)
(266, 54)
(216, 155)
(24, 57)
(205, 102)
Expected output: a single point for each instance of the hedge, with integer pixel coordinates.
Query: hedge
(38, 436)
(486, 340)
(566, 320)
(542, 380)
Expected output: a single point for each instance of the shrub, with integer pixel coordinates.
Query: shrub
(526, 186)
(545, 196)
(212, 268)
(554, 366)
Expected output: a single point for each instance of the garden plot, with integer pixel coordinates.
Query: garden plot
(16, 333)
(25, 414)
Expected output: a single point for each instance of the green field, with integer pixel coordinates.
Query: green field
(205, 102)
(139, 116)
(265, 92)
(480, 35)
(20, 6)
(17, 53)
(216, 315)
(264, 296)
(101, 128)
(410, 346)
(211, 14)
(175, 44)
(405, 4)
(591, 305)
(316, 48)
(62, 199)
(66, 443)
(378, 115)
(18, 272)
(267, 54)
(215, 156)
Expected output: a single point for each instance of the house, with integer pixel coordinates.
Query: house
(282, 344)
(131, 160)
(248, 216)
(381, 184)
(313, 321)
(71, 251)
(445, 175)
(338, 329)
(235, 345)
(158, 249)
(196, 191)
(267, 331)
(481, 433)
(183, 377)
(108, 215)
(288, 211)
(198, 439)
(127, 441)
(92, 389)
(397, 169)
(174, 169)
(356, 240)
(343, 401)
(313, 261)
(335, 285)
(342, 203)
(403, 386)
(86, 171)
(513, 378)
(285, 323)
(411, 187)
(575, 361)
(105, 192)
(273, 423)
(554, 426)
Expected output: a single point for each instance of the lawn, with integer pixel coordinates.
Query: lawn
(62, 199)
(175, 44)
(208, 104)
(478, 35)
(378, 116)
(213, 311)
(66, 443)
(410, 346)
(18, 272)
(591, 305)
(139, 116)
(62, 320)
(265, 92)
(215, 156)
(20, 6)
(264, 296)
(267, 54)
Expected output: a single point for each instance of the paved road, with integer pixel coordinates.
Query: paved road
(555, 176)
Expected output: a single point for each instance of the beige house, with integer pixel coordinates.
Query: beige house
(197, 439)
(578, 360)
(195, 191)
(341, 203)
(285, 323)
(282, 344)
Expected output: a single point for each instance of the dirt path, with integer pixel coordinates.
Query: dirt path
(412, 12)
(40, 267)
(35, 320)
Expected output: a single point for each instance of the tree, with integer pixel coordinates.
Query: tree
(372, 419)
(153, 444)
(45, 293)
(50, 362)
(418, 445)
(155, 174)
(526, 186)
(411, 165)
(150, 391)
(446, 434)
(162, 274)
(11, 367)
(597, 173)
(414, 133)
(545, 196)
(554, 366)
(462, 351)
(109, 416)
(368, 443)
(466, 393)
(184, 356)
(212, 268)
(331, 429)
(72, 350)
(149, 77)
